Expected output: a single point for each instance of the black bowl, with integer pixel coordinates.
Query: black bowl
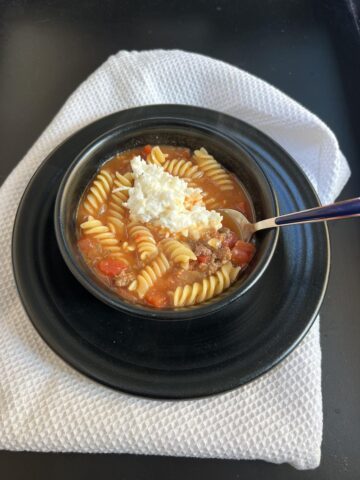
(193, 135)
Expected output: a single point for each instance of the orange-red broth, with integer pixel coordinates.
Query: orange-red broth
(159, 295)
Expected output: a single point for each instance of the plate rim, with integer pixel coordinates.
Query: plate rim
(78, 366)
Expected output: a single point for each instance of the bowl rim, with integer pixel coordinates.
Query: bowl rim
(103, 294)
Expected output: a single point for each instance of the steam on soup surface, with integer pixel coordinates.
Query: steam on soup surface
(148, 226)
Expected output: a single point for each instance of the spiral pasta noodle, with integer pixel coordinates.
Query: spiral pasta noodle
(177, 252)
(156, 156)
(182, 168)
(116, 210)
(126, 181)
(213, 169)
(102, 233)
(144, 240)
(120, 256)
(98, 192)
(148, 276)
(208, 288)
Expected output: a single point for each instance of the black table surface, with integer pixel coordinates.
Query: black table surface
(308, 49)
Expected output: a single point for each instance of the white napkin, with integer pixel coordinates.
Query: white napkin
(47, 406)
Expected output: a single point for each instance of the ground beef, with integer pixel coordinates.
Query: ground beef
(218, 258)
(228, 237)
(211, 234)
(223, 254)
(215, 258)
(124, 278)
(201, 249)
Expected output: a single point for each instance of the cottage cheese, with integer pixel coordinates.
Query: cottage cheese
(166, 200)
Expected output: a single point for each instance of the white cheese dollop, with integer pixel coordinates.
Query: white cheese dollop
(166, 200)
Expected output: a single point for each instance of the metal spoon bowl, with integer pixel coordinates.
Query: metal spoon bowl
(334, 211)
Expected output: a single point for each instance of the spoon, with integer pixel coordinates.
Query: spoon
(334, 211)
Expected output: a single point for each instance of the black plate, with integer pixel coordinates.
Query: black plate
(181, 359)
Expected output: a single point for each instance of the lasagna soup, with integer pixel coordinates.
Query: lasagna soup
(149, 226)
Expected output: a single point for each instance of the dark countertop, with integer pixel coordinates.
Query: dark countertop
(308, 49)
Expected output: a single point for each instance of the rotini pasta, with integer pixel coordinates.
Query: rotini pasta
(177, 252)
(98, 192)
(148, 276)
(116, 211)
(156, 156)
(156, 240)
(210, 287)
(120, 255)
(102, 233)
(124, 181)
(213, 170)
(128, 247)
(182, 168)
(144, 241)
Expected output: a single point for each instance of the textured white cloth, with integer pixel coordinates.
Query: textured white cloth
(46, 405)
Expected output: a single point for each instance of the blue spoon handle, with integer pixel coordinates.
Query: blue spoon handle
(346, 209)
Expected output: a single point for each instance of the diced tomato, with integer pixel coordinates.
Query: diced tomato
(111, 266)
(156, 299)
(242, 253)
(147, 149)
(230, 239)
(203, 258)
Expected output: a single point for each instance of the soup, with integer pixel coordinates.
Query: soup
(149, 228)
